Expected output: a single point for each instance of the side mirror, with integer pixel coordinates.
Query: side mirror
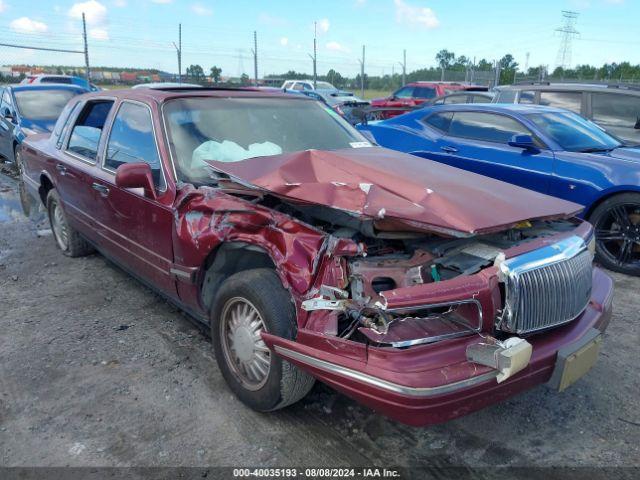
(7, 114)
(637, 125)
(136, 175)
(523, 141)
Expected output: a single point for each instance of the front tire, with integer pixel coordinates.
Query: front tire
(617, 225)
(248, 303)
(67, 238)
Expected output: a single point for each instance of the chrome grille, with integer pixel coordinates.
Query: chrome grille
(546, 287)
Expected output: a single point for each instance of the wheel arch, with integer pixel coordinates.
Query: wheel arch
(606, 195)
(46, 184)
(227, 259)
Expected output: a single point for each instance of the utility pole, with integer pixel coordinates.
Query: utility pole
(255, 57)
(86, 48)
(496, 81)
(315, 54)
(179, 52)
(362, 74)
(404, 67)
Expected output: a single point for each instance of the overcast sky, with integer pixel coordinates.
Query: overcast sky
(140, 33)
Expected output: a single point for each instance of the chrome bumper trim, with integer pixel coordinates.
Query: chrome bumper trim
(380, 383)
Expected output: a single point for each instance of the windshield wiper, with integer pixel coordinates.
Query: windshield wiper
(598, 149)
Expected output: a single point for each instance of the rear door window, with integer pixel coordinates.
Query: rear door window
(487, 127)
(619, 114)
(527, 97)
(86, 133)
(440, 121)
(571, 101)
(132, 141)
(456, 99)
(66, 80)
(506, 96)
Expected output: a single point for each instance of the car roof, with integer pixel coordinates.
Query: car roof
(46, 86)
(424, 82)
(161, 95)
(631, 89)
(511, 108)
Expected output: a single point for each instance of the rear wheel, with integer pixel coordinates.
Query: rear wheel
(247, 304)
(68, 239)
(617, 224)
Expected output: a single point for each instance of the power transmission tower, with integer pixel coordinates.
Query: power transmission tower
(255, 57)
(179, 52)
(86, 48)
(568, 32)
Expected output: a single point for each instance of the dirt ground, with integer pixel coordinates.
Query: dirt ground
(96, 370)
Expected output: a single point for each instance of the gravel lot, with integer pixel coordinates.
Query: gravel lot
(96, 370)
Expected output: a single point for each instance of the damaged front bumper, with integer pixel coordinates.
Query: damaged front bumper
(428, 384)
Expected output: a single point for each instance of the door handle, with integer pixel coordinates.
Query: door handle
(104, 190)
(61, 168)
(449, 149)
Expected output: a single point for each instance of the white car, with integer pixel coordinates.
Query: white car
(300, 85)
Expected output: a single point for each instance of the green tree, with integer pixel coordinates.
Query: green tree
(215, 74)
(195, 71)
(445, 59)
(244, 79)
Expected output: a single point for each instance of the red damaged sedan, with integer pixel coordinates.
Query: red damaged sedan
(423, 291)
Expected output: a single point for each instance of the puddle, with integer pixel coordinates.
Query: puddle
(10, 206)
(10, 209)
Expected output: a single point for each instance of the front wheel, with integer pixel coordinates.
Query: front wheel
(617, 224)
(248, 303)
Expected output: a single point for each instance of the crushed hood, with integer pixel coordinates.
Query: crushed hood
(397, 190)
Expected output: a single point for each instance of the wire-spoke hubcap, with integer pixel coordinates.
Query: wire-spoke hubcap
(59, 226)
(618, 234)
(244, 350)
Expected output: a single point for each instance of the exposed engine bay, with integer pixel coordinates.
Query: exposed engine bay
(394, 259)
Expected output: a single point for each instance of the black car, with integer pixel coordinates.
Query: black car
(28, 109)
(616, 108)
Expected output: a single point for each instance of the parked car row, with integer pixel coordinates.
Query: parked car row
(418, 288)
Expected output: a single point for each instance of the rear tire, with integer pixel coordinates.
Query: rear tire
(247, 303)
(617, 225)
(67, 238)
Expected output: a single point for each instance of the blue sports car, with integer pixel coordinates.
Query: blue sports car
(546, 149)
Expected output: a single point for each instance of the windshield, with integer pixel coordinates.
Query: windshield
(42, 104)
(574, 133)
(234, 129)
